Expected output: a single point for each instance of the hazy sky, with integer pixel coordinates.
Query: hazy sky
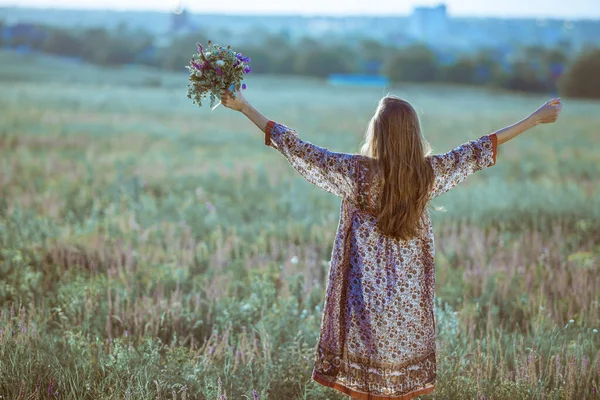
(528, 8)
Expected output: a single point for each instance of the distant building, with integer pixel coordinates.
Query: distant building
(429, 24)
(181, 23)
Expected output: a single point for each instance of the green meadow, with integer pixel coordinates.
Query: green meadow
(150, 249)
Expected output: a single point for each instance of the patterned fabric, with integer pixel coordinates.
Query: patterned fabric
(377, 338)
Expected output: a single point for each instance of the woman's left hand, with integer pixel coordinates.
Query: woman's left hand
(547, 113)
(236, 104)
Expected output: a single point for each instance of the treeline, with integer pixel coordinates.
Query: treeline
(526, 69)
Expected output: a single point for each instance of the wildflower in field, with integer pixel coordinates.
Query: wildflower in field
(294, 260)
(595, 330)
(569, 323)
(210, 207)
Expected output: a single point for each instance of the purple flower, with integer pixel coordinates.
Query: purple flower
(255, 394)
(247, 70)
(200, 49)
(210, 207)
(242, 58)
(244, 86)
(219, 72)
(196, 65)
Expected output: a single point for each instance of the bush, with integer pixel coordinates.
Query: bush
(524, 78)
(463, 71)
(323, 62)
(62, 42)
(582, 78)
(415, 63)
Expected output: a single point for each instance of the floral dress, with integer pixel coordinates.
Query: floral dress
(377, 338)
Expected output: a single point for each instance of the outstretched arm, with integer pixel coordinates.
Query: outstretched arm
(543, 115)
(241, 104)
(456, 165)
(333, 172)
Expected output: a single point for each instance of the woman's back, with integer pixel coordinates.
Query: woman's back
(449, 169)
(378, 329)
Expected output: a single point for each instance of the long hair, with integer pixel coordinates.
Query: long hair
(398, 151)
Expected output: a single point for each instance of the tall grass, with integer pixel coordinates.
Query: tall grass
(152, 250)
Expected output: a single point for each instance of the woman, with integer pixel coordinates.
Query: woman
(377, 338)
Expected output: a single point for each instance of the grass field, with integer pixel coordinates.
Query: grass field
(151, 249)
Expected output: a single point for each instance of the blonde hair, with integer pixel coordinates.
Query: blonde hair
(398, 151)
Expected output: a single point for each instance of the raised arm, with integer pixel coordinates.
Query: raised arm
(545, 114)
(456, 165)
(333, 172)
(242, 105)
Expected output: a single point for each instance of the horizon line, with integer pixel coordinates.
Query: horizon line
(296, 14)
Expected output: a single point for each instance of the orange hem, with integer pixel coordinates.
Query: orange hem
(494, 146)
(355, 394)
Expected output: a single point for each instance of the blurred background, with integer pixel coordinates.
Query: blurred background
(510, 45)
(150, 248)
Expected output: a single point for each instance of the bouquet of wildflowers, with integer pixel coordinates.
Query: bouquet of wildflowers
(215, 69)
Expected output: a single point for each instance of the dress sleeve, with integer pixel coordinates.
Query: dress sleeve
(333, 172)
(456, 165)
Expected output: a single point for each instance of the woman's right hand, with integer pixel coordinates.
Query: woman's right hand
(547, 113)
(236, 104)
